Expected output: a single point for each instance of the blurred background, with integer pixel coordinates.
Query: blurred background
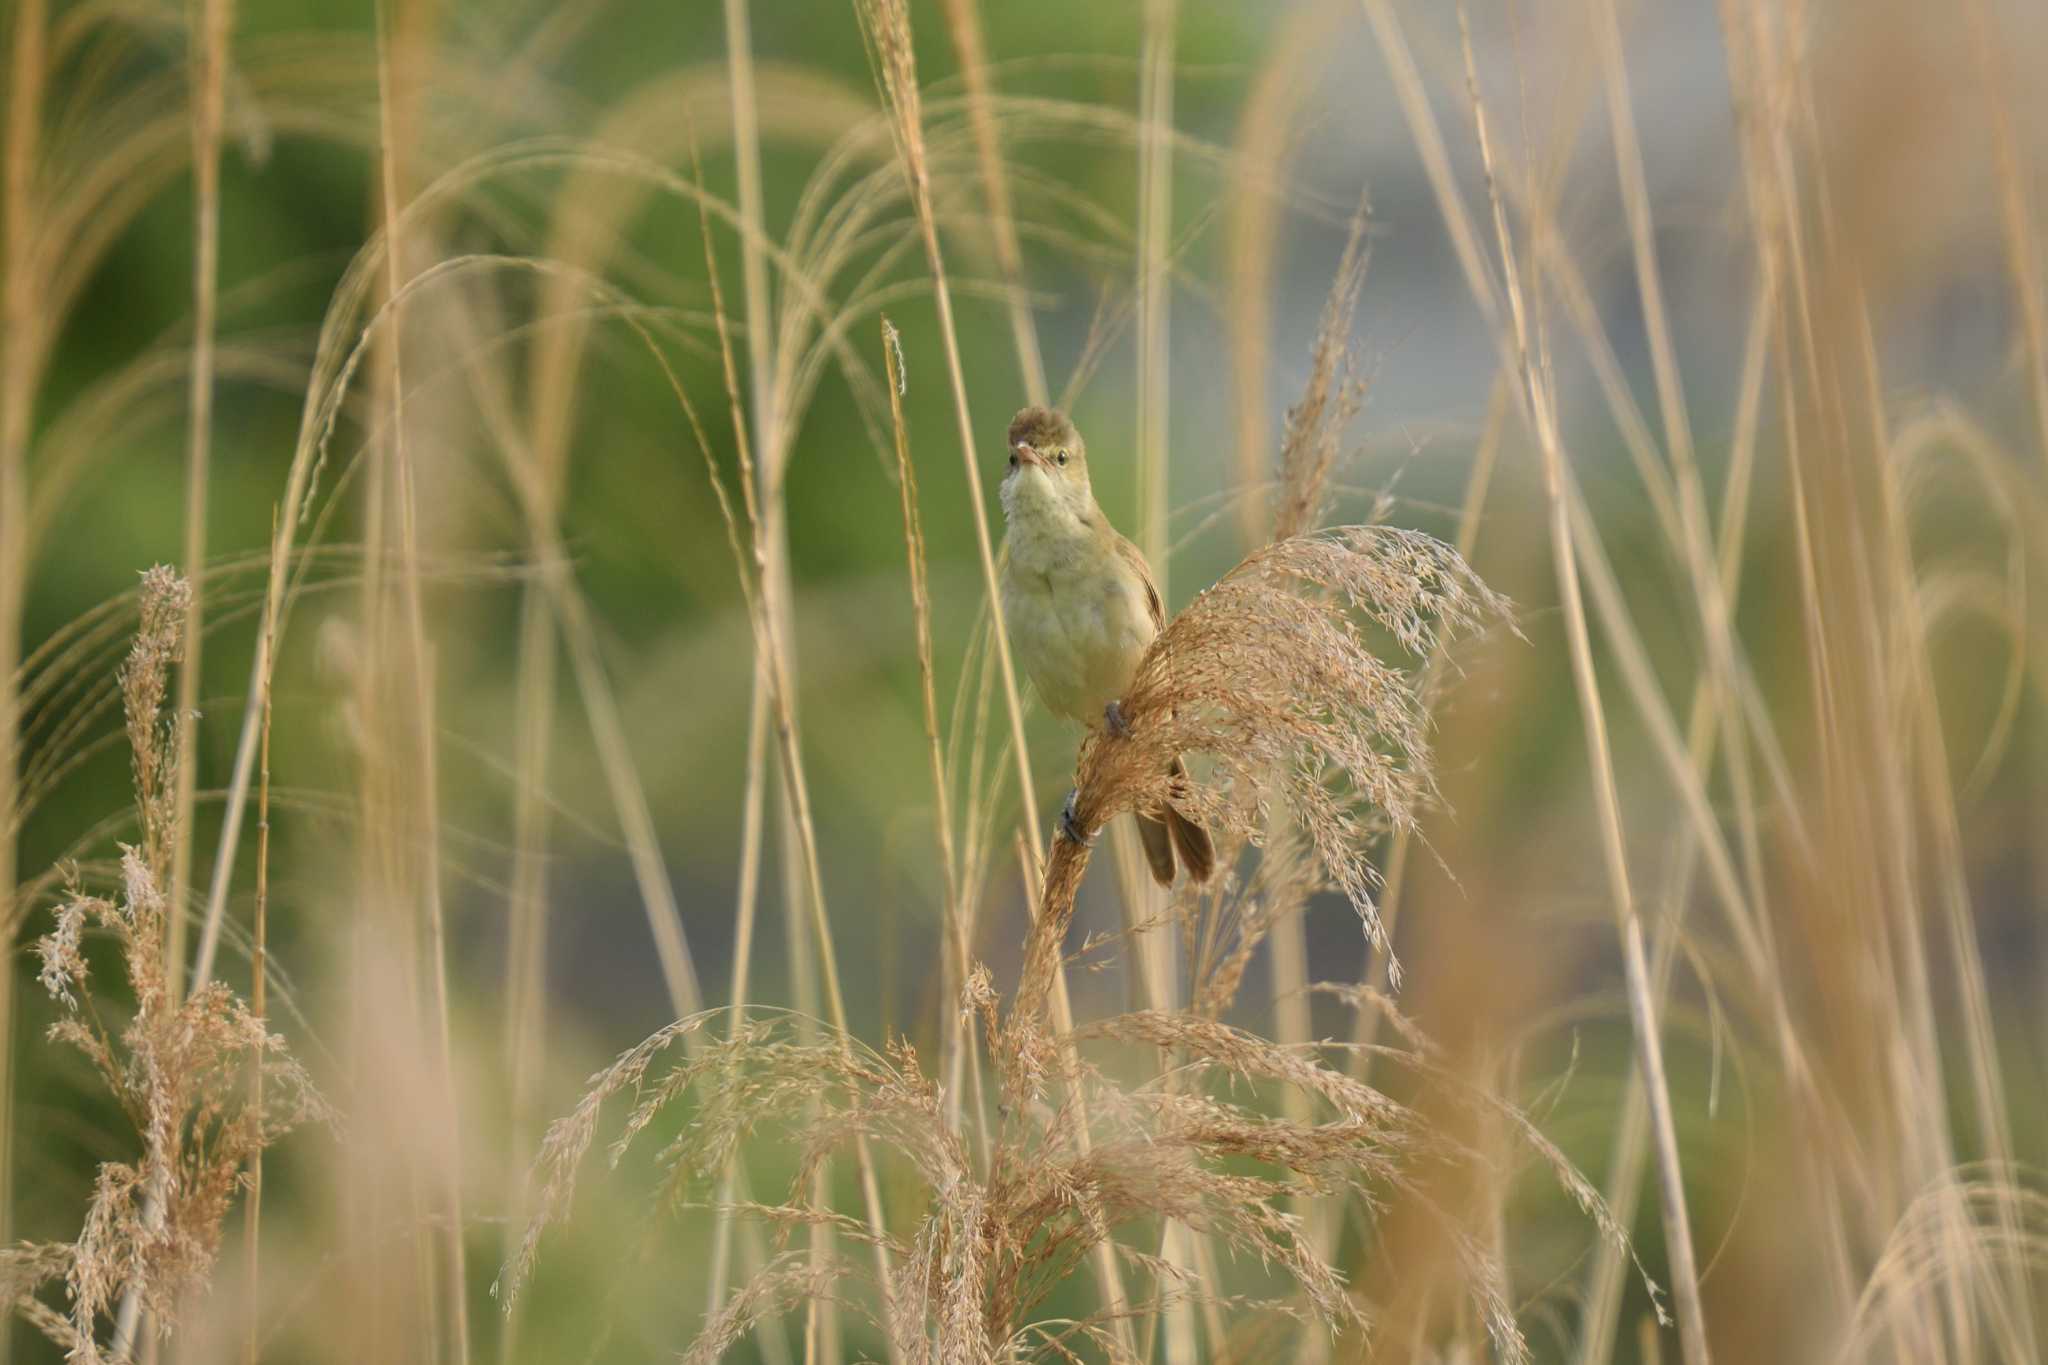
(537, 810)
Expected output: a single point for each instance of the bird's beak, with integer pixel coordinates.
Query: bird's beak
(1029, 456)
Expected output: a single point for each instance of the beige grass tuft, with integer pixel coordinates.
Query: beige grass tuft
(177, 1067)
(1269, 673)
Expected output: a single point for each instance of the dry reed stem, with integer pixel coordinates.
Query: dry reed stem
(1743, 697)
(335, 365)
(1310, 451)
(382, 900)
(2016, 216)
(766, 375)
(1951, 890)
(745, 912)
(259, 968)
(571, 611)
(525, 1031)
(963, 22)
(1154, 289)
(763, 373)
(1534, 396)
(554, 601)
(955, 919)
(746, 136)
(531, 473)
(1697, 535)
(1141, 903)
(404, 41)
(1635, 198)
(1929, 747)
(885, 26)
(1365, 1029)
(1868, 830)
(1532, 365)
(210, 59)
(152, 1233)
(1753, 941)
(768, 644)
(1639, 679)
(21, 362)
(1263, 153)
(1728, 675)
(1761, 103)
(1603, 1299)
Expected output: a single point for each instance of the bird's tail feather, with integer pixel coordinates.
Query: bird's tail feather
(1167, 832)
(1191, 841)
(1157, 838)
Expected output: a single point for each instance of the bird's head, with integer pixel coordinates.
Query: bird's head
(1048, 464)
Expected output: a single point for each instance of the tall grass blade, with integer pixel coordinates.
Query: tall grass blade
(209, 72)
(21, 331)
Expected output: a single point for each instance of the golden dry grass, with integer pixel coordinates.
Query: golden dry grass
(1708, 859)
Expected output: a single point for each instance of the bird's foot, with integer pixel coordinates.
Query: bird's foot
(1113, 717)
(1070, 827)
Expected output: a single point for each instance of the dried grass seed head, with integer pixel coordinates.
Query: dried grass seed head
(1272, 675)
(1313, 440)
(178, 1068)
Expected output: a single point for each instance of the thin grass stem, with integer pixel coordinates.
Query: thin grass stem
(766, 377)
(401, 82)
(2015, 209)
(957, 1042)
(1603, 1298)
(963, 22)
(21, 331)
(1154, 947)
(745, 909)
(259, 969)
(886, 28)
(1263, 153)
(210, 59)
(1532, 365)
(796, 789)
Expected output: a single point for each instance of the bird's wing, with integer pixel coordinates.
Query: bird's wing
(1135, 558)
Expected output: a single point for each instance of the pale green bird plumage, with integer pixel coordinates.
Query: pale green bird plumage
(1080, 611)
(1080, 604)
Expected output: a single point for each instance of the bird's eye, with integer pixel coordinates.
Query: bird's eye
(1013, 461)
(1061, 458)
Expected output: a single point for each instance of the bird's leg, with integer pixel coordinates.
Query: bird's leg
(1113, 716)
(1069, 826)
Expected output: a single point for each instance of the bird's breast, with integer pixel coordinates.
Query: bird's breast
(1078, 623)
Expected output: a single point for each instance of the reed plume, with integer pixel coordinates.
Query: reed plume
(177, 1068)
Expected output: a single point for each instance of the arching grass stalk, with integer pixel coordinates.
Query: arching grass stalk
(1531, 350)
(963, 22)
(959, 1041)
(404, 45)
(210, 59)
(885, 25)
(763, 376)
(759, 586)
(21, 345)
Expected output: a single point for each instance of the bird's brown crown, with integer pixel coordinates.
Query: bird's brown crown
(1043, 429)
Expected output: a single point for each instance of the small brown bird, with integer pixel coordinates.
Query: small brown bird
(1081, 608)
